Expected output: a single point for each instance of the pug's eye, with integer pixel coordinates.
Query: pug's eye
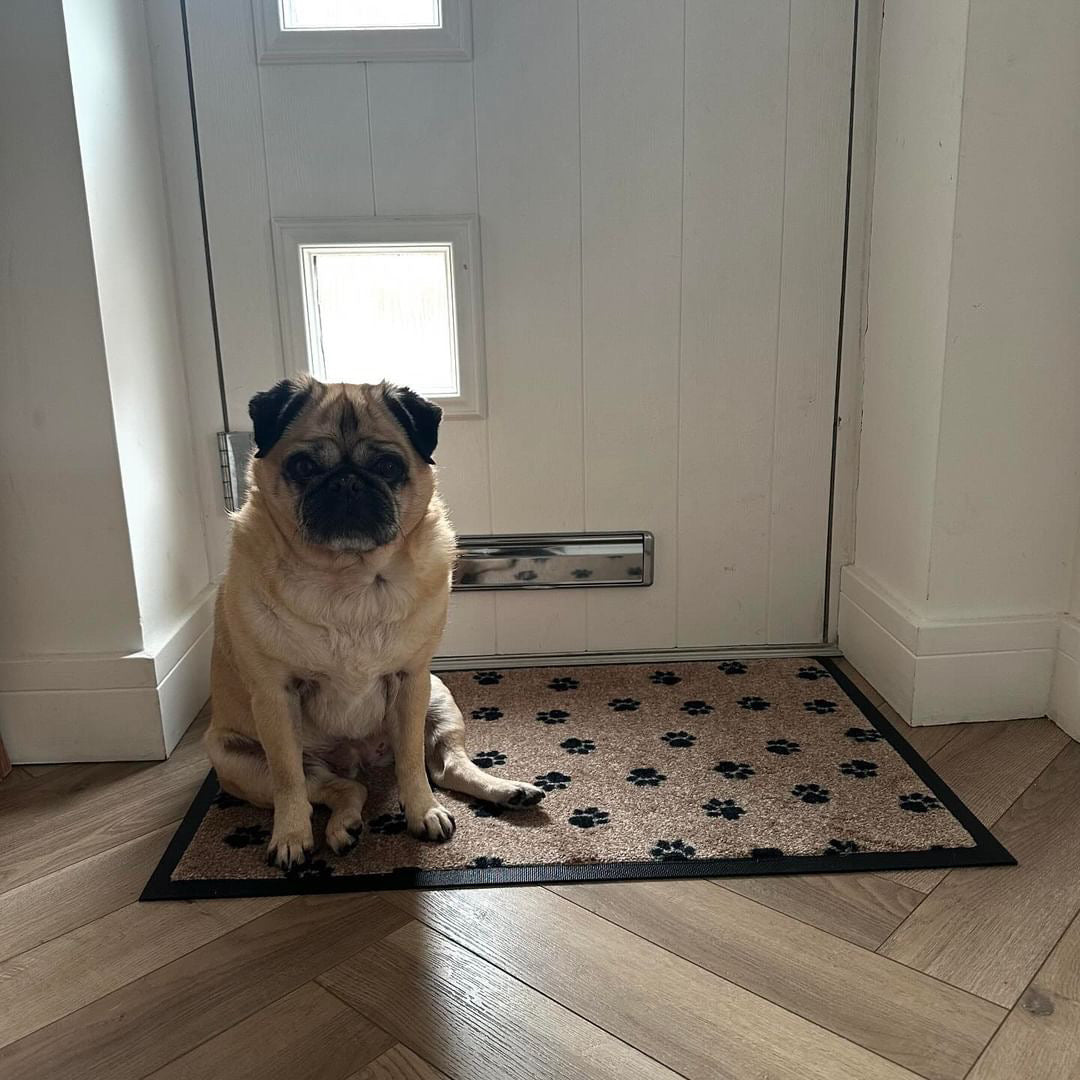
(302, 467)
(388, 467)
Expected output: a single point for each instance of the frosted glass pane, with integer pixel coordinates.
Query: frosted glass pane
(384, 311)
(359, 14)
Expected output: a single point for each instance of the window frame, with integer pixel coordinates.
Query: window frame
(461, 232)
(274, 45)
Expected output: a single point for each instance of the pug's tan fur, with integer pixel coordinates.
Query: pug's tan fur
(323, 649)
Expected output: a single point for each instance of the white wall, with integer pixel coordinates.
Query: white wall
(970, 455)
(121, 161)
(66, 578)
(103, 572)
(918, 131)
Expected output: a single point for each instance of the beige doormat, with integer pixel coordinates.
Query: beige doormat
(696, 769)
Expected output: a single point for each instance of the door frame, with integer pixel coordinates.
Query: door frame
(173, 83)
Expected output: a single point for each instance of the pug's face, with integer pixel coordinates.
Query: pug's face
(349, 465)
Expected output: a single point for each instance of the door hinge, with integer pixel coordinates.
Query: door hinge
(234, 451)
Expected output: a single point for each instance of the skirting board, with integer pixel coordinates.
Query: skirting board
(936, 672)
(108, 708)
(1065, 688)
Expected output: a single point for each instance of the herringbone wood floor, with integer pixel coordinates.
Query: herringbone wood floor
(943, 975)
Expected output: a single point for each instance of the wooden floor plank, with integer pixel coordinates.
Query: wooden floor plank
(989, 766)
(861, 908)
(77, 968)
(398, 1063)
(989, 929)
(306, 1035)
(663, 1004)
(922, 1024)
(79, 811)
(76, 895)
(1041, 1038)
(474, 1022)
(149, 1022)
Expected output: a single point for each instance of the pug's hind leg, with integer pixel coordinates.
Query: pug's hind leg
(346, 799)
(450, 766)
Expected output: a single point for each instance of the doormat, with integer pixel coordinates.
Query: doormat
(702, 769)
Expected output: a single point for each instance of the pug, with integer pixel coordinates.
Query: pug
(329, 614)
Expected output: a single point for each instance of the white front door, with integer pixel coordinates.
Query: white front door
(641, 205)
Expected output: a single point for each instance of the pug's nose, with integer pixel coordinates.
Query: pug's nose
(346, 484)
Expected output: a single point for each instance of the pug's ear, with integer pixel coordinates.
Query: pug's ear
(273, 410)
(418, 416)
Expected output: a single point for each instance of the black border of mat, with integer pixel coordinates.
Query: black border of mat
(988, 851)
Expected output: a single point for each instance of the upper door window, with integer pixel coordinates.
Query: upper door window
(325, 31)
(360, 14)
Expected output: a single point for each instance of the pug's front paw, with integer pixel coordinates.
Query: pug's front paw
(434, 823)
(291, 843)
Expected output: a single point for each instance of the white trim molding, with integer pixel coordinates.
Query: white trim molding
(132, 707)
(945, 672)
(1064, 707)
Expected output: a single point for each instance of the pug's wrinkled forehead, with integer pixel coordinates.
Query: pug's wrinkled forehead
(344, 420)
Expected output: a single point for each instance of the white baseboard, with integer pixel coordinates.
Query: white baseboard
(131, 707)
(936, 672)
(1065, 686)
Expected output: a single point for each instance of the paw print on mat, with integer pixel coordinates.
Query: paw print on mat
(488, 678)
(672, 851)
(581, 572)
(563, 682)
(725, 808)
(624, 704)
(488, 759)
(487, 712)
(811, 793)
(552, 781)
(858, 768)
(766, 853)
(820, 706)
(678, 738)
(225, 801)
(486, 862)
(919, 803)
(813, 673)
(695, 707)
(861, 734)
(525, 575)
(754, 704)
(314, 870)
(589, 817)
(578, 746)
(841, 847)
(483, 809)
(553, 716)
(247, 836)
(645, 777)
(734, 770)
(782, 746)
(732, 667)
(388, 824)
(665, 678)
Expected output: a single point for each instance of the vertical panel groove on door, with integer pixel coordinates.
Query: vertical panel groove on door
(526, 70)
(631, 172)
(423, 152)
(318, 152)
(736, 64)
(818, 101)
